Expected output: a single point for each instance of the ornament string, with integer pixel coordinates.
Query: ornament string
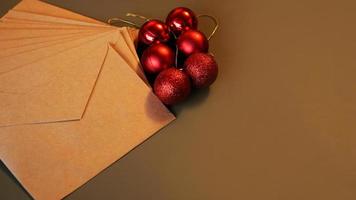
(177, 50)
(147, 19)
(137, 16)
(115, 20)
(120, 20)
(216, 22)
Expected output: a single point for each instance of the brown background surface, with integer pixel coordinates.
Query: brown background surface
(279, 123)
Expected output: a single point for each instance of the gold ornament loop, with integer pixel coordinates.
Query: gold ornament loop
(216, 24)
(116, 20)
(137, 16)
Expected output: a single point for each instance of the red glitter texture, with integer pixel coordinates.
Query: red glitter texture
(202, 69)
(172, 86)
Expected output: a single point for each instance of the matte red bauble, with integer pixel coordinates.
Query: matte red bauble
(202, 69)
(181, 19)
(156, 58)
(192, 41)
(172, 86)
(153, 31)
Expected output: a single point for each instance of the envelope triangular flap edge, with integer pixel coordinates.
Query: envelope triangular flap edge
(52, 90)
(59, 152)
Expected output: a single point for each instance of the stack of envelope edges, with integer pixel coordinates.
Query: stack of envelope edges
(73, 97)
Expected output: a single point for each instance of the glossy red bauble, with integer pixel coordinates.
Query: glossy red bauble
(157, 58)
(172, 86)
(153, 31)
(181, 19)
(192, 41)
(202, 69)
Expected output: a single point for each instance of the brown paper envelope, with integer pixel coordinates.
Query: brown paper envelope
(39, 7)
(7, 52)
(17, 61)
(25, 21)
(59, 12)
(13, 34)
(124, 32)
(14, 43)
(10, 100)
(26, 16)
(35, 53)
(33, 7)
(134, 35)
(29, 22)
(130, 42)
(31, 41)
(122, 47)
(51, 160)
(52, 89)
(129, 57)
(21, 24)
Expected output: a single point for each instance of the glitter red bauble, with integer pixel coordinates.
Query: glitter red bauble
(202, 69)
(181, 19)
(192, 41)
(153, 31)
(157, 58)
(172, 86)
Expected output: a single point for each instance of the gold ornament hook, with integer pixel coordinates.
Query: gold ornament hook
(116, 20)
(137, 16)
(216, 24)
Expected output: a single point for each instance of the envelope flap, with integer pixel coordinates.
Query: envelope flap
(122, 113)
(53, 89)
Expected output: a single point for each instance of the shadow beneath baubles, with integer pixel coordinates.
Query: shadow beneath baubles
(196, 97)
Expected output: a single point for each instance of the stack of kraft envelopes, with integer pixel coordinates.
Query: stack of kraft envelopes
(73, 97)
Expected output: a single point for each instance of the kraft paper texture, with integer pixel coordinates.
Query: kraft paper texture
(73, 97)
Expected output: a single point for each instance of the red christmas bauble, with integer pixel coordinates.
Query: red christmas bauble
(192, 41)
(181, 19)
(172, 86)
(202, 69)
(153, 31)
(157, 58)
